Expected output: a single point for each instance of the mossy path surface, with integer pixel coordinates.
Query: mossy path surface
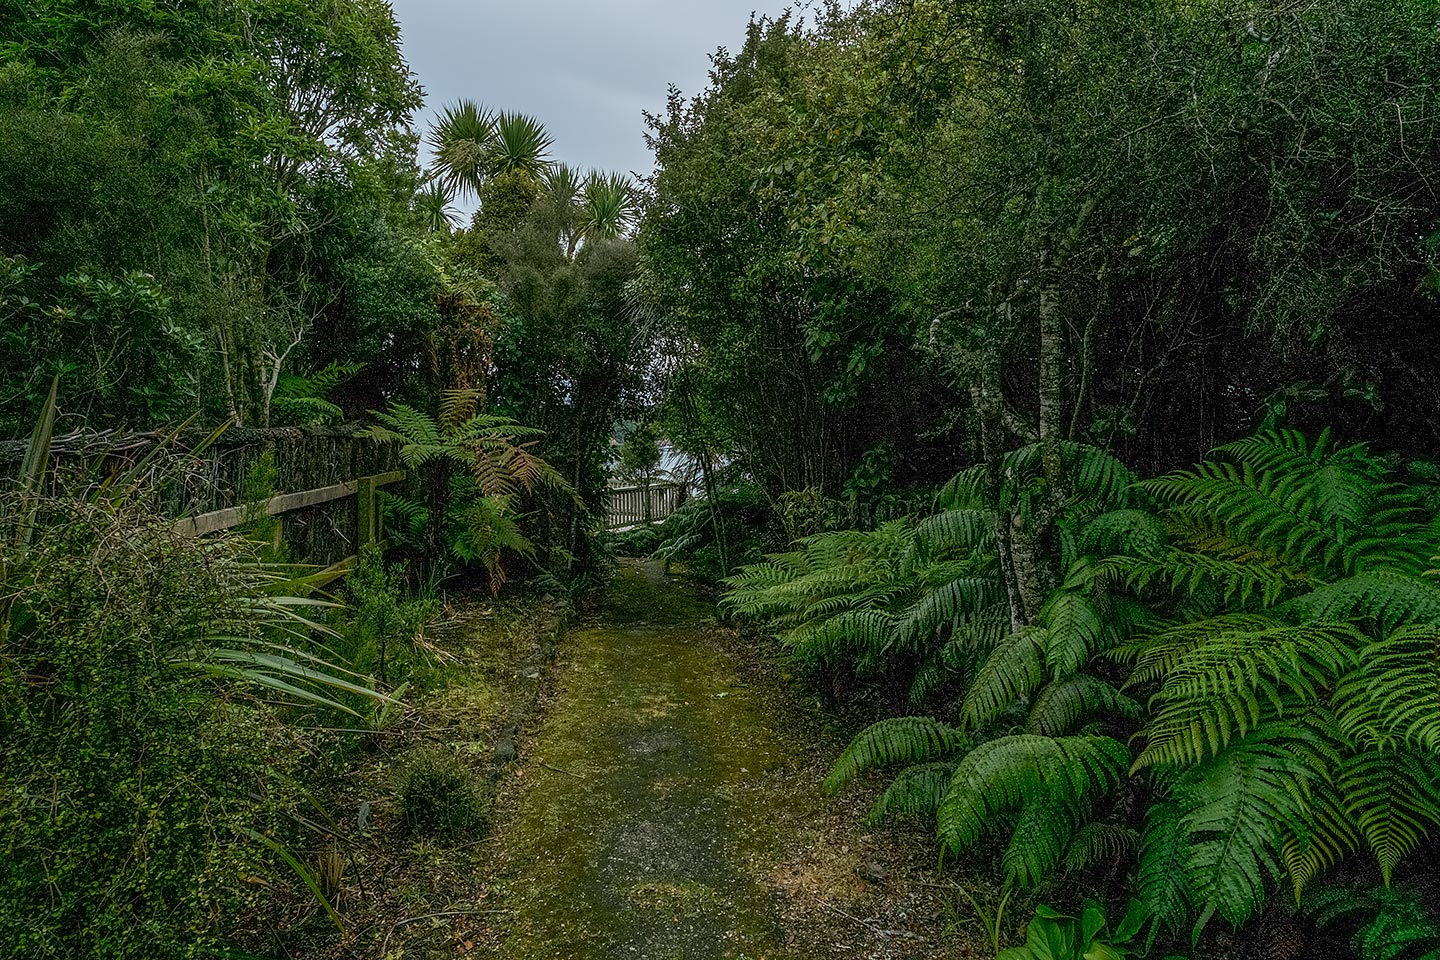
(654, 812)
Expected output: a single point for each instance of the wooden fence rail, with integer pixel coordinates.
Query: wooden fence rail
(368, 515)
(627, 506)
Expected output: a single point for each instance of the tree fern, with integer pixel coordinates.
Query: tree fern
(479, 516)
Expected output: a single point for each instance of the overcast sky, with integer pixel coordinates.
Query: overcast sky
(587, 68)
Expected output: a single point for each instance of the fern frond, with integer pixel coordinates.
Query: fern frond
(1225, 687)
(1252, 507)
(1130, 533)
(482, 530)
(1010, 772)
(1154, 655)
(892, 741)
(1013, 671)
(860, 635)
(928, 678)
(956, 530)
(1073, 632)
(973, 637)
(457, 406)
(916, 792)
(946, 603)
(964, 491)
(1393, 796)
(1062, 705)
(1240, 809)
(1101, 842)
(1388, 598)
(1043, 832)
(411, 424)
(1393, 697)
(1162, 878)
(1395, 923)
(1189, 573)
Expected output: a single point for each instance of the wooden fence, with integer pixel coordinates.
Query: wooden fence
(313, 472)
(627, 506)
(369, 518)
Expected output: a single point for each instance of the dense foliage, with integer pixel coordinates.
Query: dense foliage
(1020, 255)
(1005, 337)
(1232, 688)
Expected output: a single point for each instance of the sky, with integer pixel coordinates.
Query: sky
(586, 68)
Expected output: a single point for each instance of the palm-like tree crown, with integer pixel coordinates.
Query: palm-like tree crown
(433, 205)
(462, 141)
(608, 207)
(520, 143)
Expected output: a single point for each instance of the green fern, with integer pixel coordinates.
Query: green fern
(1393, 924)
(1062, 705)
(1162, 884)
(1074, 632)
(1011, 674)
(1042, 834)
(1128, 532)
(1101, 843)
(894, 741)
(498, 465)
(1393, 697)
(917, 791)
(302, 400)
(1389, 599)
(1225, 687)
(1239, 811)
(1006, 774)
(1393, 798)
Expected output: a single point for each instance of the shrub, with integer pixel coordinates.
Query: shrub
(439, 796)
(138, 785)
(381, 623)
(124, 779)
(637, 541)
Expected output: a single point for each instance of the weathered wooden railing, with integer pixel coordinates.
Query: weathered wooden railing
(369, 524)
(199, 480)
(627, 506)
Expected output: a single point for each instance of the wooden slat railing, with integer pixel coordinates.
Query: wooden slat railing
(627, 506)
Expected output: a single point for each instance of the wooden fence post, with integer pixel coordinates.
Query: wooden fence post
(367, 518)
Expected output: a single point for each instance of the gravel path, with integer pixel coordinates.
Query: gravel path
(667, 808)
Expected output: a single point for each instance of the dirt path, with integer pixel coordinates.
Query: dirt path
(667, 808)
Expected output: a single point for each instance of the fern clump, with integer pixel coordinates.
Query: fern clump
(476, 467)
(1261, 629)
